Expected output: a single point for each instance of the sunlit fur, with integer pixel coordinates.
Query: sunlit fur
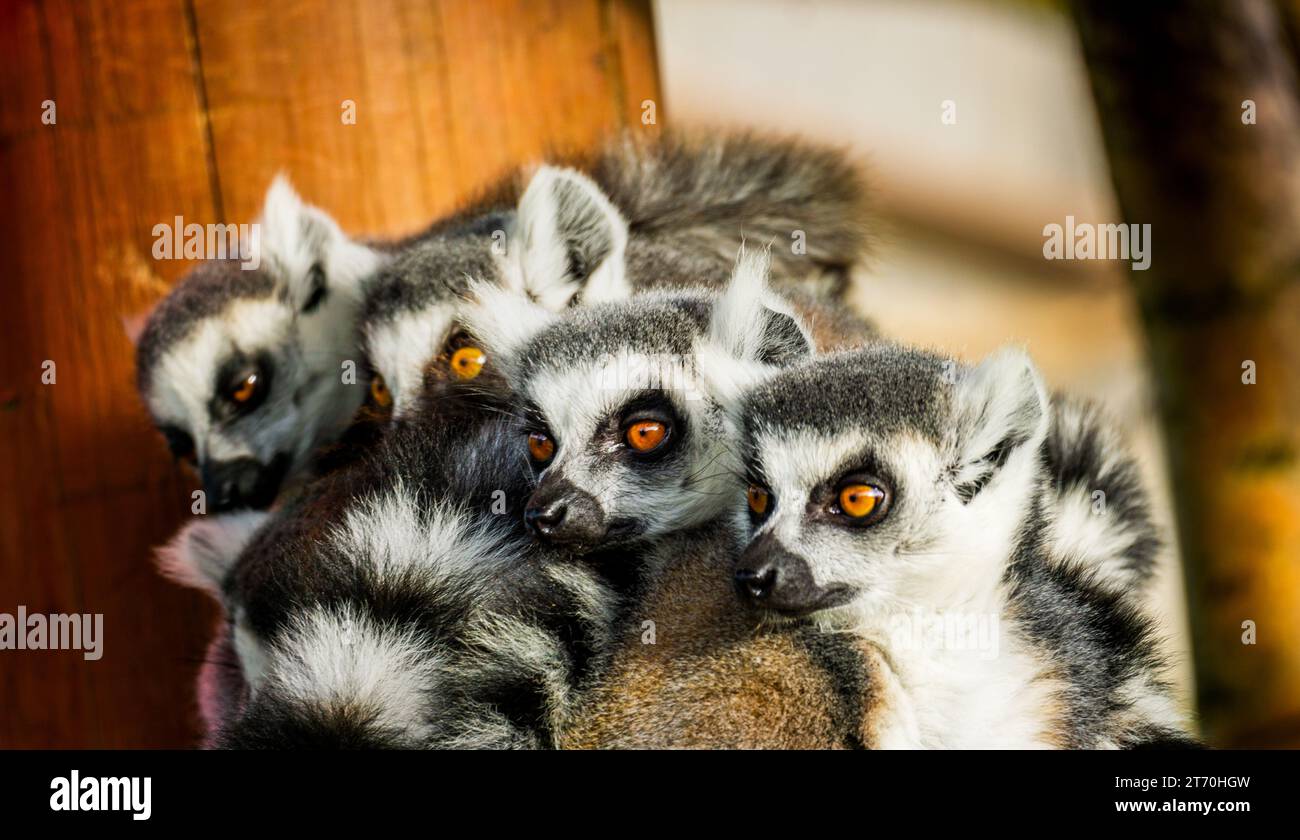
(690, 668)
(297, 311)
(969, 535)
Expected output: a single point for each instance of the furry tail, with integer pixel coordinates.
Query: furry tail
(708, 192)
(1099, 509)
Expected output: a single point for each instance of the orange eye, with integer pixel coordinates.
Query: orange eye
(379, 392)
(541, 447)
(757, 498)
(467, 362)
(859, 500)
(646, 435)
(244, 389)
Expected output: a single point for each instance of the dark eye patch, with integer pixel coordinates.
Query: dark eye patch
(229, 376)
(179, 441)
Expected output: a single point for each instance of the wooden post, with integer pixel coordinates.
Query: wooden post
(1199, 110)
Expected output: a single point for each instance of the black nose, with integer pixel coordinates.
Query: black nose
(546, 519)
(243, 483)
(756, 584)
(559, 512)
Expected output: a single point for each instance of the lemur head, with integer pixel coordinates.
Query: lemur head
(242, 369)
(886, 477)
(563, 241)
(624, 400)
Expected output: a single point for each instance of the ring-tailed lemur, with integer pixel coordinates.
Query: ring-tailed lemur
(639, 214)
(898, 494)
(244, 372)
(397, 602)
(397, 578)
(243, 369)
(624, 400)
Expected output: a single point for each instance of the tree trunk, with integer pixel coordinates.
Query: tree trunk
(1176, 87)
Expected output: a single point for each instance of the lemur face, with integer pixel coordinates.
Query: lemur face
(244, 370)
(563, 241)
(624, 441)
(623, 401)
(885, 478)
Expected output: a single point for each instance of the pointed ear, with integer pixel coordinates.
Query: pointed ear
(1001, 408)
(304, 248)
(571, 240)
(205, 550)
(502, 320)
(753, 323)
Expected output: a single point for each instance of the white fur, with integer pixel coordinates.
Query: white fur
(401, 348)
(730, 351)
(341, 658)
(1097, 540)
(396, 533)
(205, 549)
(296, 236)
(1002, 393)
(540, 263)
(503, 320)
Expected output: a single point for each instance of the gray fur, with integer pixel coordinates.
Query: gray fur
(953, 443)
(205, 292)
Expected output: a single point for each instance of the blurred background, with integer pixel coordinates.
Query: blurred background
(980, 122)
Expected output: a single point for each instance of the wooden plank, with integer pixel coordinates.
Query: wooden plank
(82, 197)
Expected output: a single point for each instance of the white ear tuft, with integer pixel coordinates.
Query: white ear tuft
(571, 240)
(753, 323)
(203, 551)
(502, 320)
(307, 252)
(1001, 406)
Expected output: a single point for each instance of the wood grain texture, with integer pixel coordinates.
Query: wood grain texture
(189, 107)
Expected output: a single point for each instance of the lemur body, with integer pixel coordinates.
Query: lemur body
(894, 493)
(398, 603)
(689, 668)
